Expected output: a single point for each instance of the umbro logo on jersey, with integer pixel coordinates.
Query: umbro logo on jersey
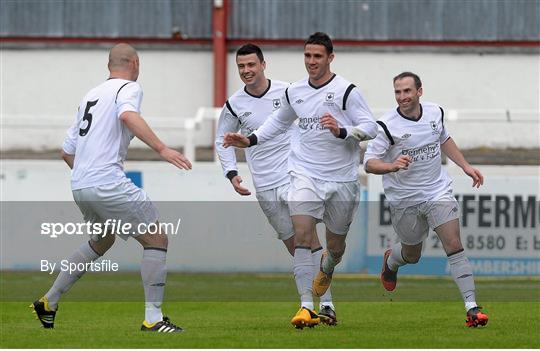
(276, 103)
(245, 114)
(299, 101)
(405, 136)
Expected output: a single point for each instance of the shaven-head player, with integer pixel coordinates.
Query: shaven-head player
(407, 152)
(323, 163)
(246, 110)
(95, 149)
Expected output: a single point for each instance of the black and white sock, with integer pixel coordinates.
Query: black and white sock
(461, 271)
(154, 276)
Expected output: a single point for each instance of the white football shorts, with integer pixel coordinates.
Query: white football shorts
(122, 201)
(274, 204)
(412, 223)
(333, 203)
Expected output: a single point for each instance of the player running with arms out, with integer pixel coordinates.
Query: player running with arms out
(407, 152)
(95, 149)
(323, 163)
(246, 110)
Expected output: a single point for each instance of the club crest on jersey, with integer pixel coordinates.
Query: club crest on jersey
(329, 99)
(276, 103)
(434, 127)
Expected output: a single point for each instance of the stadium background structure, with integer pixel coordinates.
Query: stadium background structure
(222, 24)
(64, 37)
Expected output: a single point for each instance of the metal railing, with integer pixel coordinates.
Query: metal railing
(189, 133)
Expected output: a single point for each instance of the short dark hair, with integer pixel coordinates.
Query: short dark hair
(249, 49)
(417, 81)
(320, 38)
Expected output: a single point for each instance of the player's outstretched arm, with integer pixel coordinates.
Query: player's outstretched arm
(451, 150)
(377, 166)
(235, 139)
(138, 126)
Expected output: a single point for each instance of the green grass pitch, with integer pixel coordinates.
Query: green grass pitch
(254, 310)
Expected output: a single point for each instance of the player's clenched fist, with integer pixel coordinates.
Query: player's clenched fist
(402, 162)
(329, 122)
(235, 139)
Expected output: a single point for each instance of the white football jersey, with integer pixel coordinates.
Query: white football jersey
(246, 112)
(425, 179)
(97, 138)
(315, 151)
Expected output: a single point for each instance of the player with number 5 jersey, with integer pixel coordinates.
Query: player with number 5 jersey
(95, 149)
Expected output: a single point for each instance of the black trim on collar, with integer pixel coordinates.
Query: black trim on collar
(409, 118)
(387, 132)
(317, 249)
(324, 84)
(230, 109)
(347, 92)
(287, 95)
(263, 93)
(116, 98)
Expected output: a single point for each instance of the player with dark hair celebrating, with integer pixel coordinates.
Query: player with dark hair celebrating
(323, 164)
(246, 110)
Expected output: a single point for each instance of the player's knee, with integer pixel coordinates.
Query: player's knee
(302, 237)
(159, 240)
(336, 247)
(153, 240)
(336, 251)
(411, 258)
(164, 240)
(110, 240)
(103, 245)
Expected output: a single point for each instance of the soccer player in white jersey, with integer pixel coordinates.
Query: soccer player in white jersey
(407, 152)
(323, 163)
(95, 149)
(246, 110)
